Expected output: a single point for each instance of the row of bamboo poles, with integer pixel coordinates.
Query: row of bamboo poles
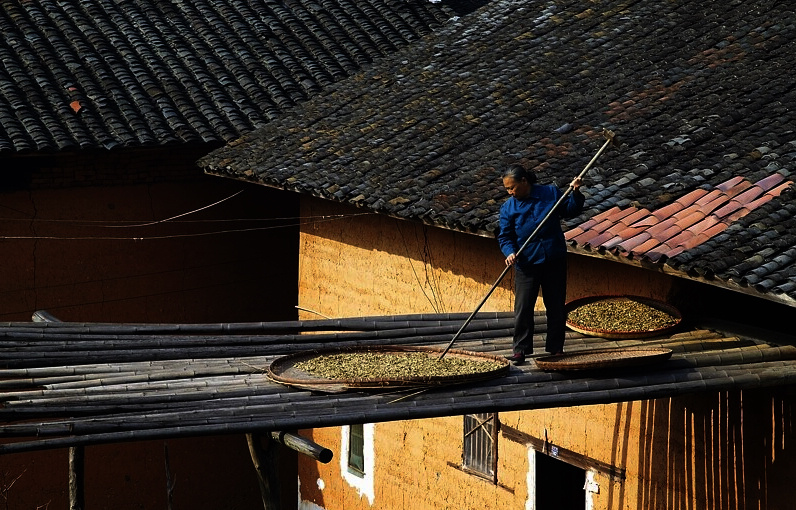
(69, 385)
(66, 384)
(79, 384)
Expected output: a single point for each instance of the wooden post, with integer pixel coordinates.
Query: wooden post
(169, 479)
(76, 472)
(264, 461)
(77, 495)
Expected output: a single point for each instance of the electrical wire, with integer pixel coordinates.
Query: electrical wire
(180, 215)
(198, 234)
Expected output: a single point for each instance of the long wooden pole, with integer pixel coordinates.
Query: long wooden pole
(610, 138)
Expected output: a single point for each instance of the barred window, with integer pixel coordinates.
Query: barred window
(356, 449)
(480, 445)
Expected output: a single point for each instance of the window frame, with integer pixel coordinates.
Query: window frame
(355, 461)
(480, 445)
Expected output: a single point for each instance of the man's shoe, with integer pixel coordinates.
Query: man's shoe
(517, 358)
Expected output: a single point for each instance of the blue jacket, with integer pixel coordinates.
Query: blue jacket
(519, 218)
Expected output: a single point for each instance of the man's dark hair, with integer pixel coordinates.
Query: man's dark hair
(518, 173)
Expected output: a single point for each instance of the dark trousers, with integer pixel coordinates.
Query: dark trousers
(551, 277)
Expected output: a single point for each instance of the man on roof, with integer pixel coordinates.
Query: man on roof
(542, 263)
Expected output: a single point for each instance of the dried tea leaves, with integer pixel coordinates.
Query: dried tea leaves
(620, 314)
(373, 365)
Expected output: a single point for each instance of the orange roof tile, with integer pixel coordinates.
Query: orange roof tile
(602, 226)
(647, 221)
(751, 206)
(749, 195)
(668, 210)
(680, 225)
(600, 239)
(668, 233)
(573, 232)
(585, 237)
(615, 210)
(646, 246)
(779, 189)
(718, 228)
(696, 241)
(693, 216)
(622, 213)
(656, 230)
(692, 197)
(612, 242)
(739, 188)
(705, 224)
(586, 225)
(628, 232)
(634, 216)
(726, 185)
(634, 242)
(677, 250)
(714, 204)
(737, 215)
(709, 197)
(728, 209)
(769, 182)
(681, 238)
(656, 253)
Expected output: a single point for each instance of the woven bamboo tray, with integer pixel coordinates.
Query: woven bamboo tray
(604, 358)
(615, 334)
(283, 370)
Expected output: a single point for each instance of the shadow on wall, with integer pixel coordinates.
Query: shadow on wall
(729, 450)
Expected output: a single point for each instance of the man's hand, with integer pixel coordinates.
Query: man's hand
(511, 259)
(577, 182)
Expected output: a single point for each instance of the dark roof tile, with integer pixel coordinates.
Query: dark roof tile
(207, 70)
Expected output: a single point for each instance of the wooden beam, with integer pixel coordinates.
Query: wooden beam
(303, 446)
(568, 456)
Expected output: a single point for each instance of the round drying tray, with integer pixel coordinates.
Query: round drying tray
(633, 305)
(389, 364)
(604, 358)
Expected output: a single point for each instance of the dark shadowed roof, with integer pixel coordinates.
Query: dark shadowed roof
(699, 92)
(104, 74)
(68, 384)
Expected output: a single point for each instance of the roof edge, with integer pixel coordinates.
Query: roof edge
(662, 267)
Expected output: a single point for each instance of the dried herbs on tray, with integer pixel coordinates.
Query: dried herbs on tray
(620, 314)
(373, 365)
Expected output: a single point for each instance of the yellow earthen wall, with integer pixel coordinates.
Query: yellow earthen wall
(727, 450)
(689, 452)
(417, 466)
(353, 263)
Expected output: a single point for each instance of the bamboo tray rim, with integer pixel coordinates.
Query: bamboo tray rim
(604, 358)
(616, 334)
(282, 369)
